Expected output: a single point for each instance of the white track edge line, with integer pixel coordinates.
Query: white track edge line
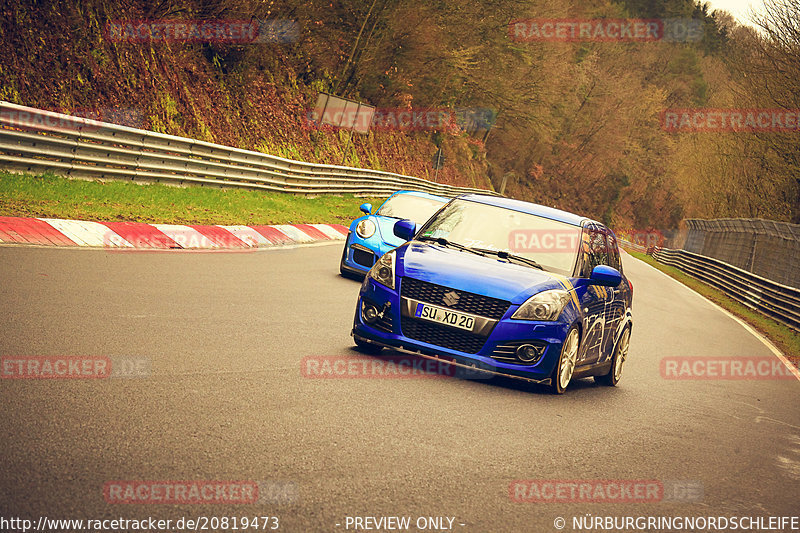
(774, 349)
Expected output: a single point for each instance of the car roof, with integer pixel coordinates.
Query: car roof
(530, 208)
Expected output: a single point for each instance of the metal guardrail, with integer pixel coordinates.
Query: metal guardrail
(768, 248)
(632, 246)
(35, 141)
(775, 300)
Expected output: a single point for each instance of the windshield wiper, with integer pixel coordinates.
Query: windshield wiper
(502, 254)
(445, 242)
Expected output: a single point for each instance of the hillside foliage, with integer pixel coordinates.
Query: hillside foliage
(577, 123)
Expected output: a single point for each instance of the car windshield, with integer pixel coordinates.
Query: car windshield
(416, 208)
(491, 229)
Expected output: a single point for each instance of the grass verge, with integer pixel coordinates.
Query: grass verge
(784, 338)
(57, 197)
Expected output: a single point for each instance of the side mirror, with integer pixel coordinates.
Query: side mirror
(405, 229)
(366, 208)
(605, 276)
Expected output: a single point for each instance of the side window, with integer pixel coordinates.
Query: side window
(594, 250)
(613, 252)
(599, 248)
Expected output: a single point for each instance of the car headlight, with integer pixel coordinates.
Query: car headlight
(545, 306)
(365, 229)
(383, 270)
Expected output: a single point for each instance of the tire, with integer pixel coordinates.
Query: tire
(367, 347)
(620, 354)
(562, 373)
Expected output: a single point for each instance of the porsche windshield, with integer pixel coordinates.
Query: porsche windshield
(550, 243)
(416, 208)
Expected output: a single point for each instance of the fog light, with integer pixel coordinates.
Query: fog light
(370, 313)
(528, 353)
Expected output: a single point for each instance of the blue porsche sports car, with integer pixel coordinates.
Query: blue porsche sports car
(372, 235)
(502, 286)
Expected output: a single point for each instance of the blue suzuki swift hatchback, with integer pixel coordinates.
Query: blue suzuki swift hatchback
(501, 286)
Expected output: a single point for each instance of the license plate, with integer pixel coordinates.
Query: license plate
(444, 316)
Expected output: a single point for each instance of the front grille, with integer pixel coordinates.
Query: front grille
(462, 341)
(363, 258)
(385, 323)
(468, 302)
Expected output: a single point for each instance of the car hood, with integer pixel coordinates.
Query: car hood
(386, 230)
(469, 272)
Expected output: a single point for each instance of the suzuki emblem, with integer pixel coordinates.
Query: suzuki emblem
(450, 298)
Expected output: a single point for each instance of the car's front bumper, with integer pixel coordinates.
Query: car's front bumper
(360, 254)
(389, 331)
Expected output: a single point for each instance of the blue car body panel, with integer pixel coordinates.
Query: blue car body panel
(381, 241)
(601, 313)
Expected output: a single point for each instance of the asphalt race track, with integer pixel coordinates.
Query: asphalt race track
(224, 335)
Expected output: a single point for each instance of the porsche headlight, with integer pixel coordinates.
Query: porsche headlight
(545, 306)
(383, 270)
(365, 229)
